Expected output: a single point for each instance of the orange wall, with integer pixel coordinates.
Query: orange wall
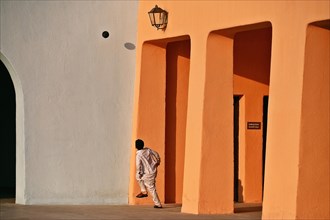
(313, 184)
(199, 20)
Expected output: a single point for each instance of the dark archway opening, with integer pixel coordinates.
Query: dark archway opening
(237, 184)
(7, 135)
(264, 138)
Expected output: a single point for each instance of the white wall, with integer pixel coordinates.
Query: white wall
(77, 92)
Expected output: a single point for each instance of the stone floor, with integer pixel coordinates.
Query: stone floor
(10, 210)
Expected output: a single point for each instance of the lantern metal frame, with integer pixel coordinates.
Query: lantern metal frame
(158, 17)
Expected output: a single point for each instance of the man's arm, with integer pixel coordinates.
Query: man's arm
(157, 157)
(139, 169)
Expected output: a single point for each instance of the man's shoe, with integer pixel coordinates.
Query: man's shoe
(142, 195)
(157, 207)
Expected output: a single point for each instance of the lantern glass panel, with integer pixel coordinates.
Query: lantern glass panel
(158, 18)
(152, 18)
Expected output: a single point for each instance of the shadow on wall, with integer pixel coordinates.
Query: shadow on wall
(7, 135)
(129, 46)
(240, 191)
(252, 59)
(177, 78)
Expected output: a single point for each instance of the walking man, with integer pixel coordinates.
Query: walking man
(147, 162)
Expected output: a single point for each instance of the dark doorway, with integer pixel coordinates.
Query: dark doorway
(264, 137)
(236, 147)
(7, 135)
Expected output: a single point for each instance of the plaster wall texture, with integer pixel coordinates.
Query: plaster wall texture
(74, 93)
(289, 20)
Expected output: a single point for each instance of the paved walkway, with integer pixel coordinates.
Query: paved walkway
(9, 210)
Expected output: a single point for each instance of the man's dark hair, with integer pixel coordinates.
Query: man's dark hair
(139, 144)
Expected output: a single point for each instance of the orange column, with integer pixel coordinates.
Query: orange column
(283, 134)
(192, 166)
(216, 182)
(313, 185)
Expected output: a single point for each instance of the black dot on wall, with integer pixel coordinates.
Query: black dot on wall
(105, 34)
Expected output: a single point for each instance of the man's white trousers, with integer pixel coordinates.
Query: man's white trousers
(148, 182)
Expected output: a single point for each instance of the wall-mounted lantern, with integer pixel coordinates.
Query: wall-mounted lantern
(158, 17)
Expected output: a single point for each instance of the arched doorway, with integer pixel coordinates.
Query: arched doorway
(162, 112)
(237, 79)
(7, 135)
